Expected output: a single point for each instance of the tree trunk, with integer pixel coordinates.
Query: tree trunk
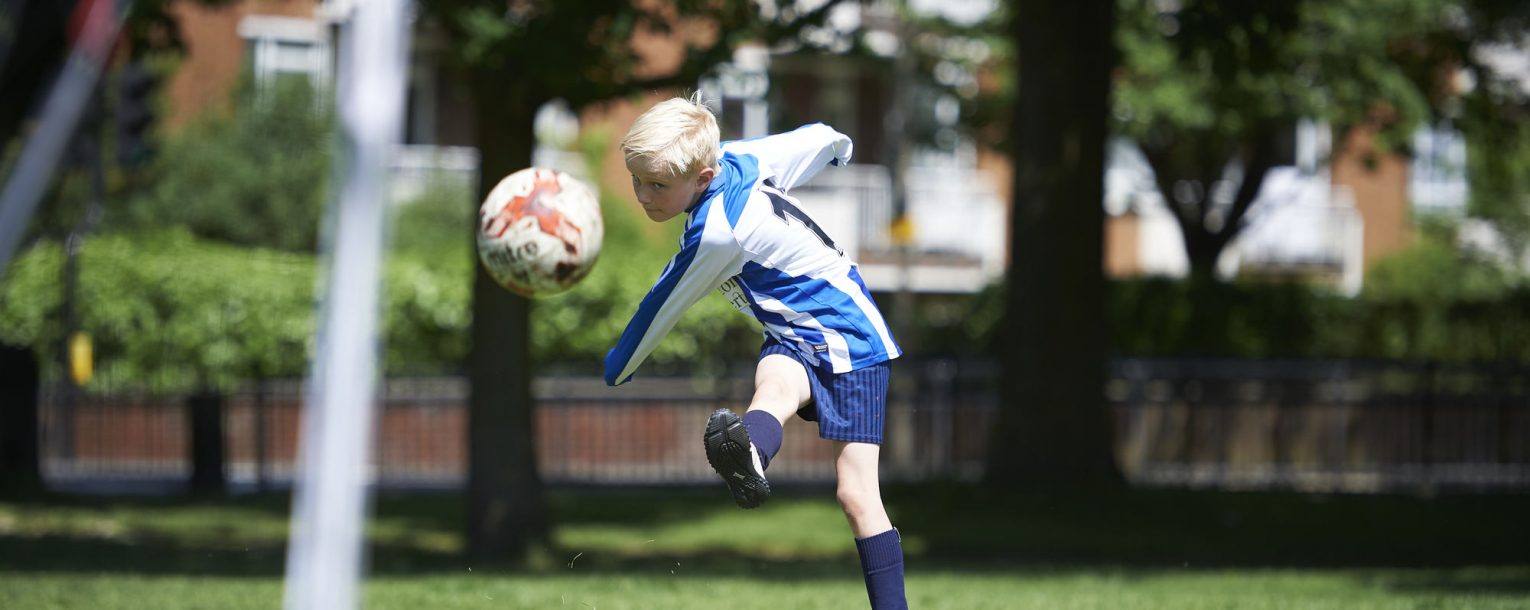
(506, 511)
(1205, 238)
(1198, 158)
(207, 473)
(1202, 251)
(1053, 430)
(20, 468)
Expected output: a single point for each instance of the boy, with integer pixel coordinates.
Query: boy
(826, 345)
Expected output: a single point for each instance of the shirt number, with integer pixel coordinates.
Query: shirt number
(786, 210)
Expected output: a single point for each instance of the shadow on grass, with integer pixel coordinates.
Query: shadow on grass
(55, 554)
(1209, 529)
(947, 527)
(1475, 581)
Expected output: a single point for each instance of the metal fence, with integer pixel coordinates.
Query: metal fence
(1307, 425)
(1354, 426)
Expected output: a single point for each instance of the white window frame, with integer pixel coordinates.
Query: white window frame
(267, 33)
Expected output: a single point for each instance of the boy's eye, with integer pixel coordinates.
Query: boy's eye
(637, 182)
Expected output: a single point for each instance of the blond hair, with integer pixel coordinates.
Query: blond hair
(677, 136)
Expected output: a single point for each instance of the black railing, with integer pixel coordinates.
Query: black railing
(1355, 426)
(1322, 425)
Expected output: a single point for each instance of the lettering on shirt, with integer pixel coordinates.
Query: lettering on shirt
(735, 294)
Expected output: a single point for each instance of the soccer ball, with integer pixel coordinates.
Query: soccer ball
(539, 232)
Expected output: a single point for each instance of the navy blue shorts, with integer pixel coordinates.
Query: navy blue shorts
(849, 407)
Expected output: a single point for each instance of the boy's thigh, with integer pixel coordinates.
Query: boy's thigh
(856, 463)
(780, 385)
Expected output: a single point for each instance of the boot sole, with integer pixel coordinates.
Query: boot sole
(727, 445)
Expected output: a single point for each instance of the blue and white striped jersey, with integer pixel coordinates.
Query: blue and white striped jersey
(748, 238)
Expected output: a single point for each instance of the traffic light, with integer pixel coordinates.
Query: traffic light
(135, 113)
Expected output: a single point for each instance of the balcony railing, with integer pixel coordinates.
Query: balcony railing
(959, 226)
(1312, 231)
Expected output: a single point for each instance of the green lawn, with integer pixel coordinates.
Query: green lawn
(692, 549)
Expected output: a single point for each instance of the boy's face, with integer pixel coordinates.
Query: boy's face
(663, 196)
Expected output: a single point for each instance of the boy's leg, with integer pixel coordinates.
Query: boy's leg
(780, 388)
(881, 550)
(740, 449)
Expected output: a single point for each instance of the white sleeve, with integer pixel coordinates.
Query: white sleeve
(708, 256)
(794, 157)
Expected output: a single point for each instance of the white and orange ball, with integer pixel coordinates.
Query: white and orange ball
(539, 231)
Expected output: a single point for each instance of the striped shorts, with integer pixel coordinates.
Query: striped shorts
(849, 407)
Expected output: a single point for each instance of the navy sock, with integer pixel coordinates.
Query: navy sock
(765, 433)
(882, 562)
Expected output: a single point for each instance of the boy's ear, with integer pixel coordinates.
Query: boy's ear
(705, 176)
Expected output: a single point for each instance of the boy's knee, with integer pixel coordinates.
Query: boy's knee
(855, 500)
(781, 380)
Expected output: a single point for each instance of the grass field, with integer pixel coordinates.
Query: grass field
(692, 549)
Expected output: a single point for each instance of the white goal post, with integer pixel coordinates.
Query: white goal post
(329, 509)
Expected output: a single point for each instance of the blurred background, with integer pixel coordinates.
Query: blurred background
(1205, 304)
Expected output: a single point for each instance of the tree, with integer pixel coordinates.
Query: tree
(515, 58)
(1207, 87)
(1053, 429)
(1495, 118)
(1210, 89)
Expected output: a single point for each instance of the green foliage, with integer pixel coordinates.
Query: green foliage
(1435, 300)
(437, 223)
(1223, 68)
(1157, 317)
(171, 310)
(168, 311)
(1203, 67)
(426, 314)
(597, 58)
(256, 176)
(1434, 270)
(429, 281)
(1428, 303)
(1496, 123)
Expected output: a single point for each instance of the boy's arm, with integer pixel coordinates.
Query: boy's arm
(707, 257)
(796, 156)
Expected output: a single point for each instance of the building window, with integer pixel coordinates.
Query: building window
(280, 48)
(1437, 182)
